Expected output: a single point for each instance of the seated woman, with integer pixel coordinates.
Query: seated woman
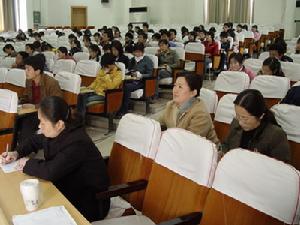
(255, 128)
(9, 50)
(75, 47)
(62, 53)
(118, 52)
(95, 53)
(271, 66)
(29, 48)
(21, 56)
(38, 87)
(211, 48)
(139, 66)
(236, 64)
(186, 111)
(72, 161)
(109, 77)
(167, 58)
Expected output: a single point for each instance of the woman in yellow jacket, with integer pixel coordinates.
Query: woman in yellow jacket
(109, 77)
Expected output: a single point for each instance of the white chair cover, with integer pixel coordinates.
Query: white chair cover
(180, 52)
(291, 70)
(288, 118)
(264, 55)
(253, 64)
(139, 134)
(265, 184)
(210, 99)
(78, 56)
(69, 81)
(3, 73)
(151, 50)
(188, 155)
(8, 101)
(225, 111)
(295, 57)
(87, 68)
(16, 77)
(7, 62)
(67, 65)
(232, 81)
(195, 47)
(271, 86)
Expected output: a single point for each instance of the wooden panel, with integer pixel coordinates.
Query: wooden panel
(19, 90)
(4, 140)
(126, 165)
(271, 101)
(79, 16)
(170, 195)
(150, 86)
(97, 108)
(70, 98)
(86, 81)
(222, 130)
(194, 56)
(114, 101)
(7, 120)
(295, 154)
(11, 201)
(220, 209)
(216, 62)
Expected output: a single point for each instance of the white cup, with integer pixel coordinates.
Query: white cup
(30, 191)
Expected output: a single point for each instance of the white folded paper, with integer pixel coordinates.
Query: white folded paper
(53, 215)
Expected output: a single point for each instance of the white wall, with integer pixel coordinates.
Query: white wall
(273, 12)
(189, 12)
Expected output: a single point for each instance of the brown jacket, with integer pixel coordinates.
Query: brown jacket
(49, 87)
(195, 119)
(269, 140)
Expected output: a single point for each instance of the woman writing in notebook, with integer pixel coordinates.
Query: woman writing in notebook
(72, 161)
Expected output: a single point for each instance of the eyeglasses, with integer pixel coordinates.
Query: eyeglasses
(243, 118)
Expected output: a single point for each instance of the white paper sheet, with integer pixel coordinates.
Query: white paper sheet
(53, 215)
(9, 168)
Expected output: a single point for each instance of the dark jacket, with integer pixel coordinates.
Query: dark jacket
(49, 87)
(145, 66)
(268, 139)
(292, 97)
(124, 59)
(74, 165)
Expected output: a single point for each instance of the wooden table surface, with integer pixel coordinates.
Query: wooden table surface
(11, 202)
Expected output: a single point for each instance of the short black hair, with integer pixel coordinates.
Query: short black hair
(274, 65)
(224, 34)
(36, 34)
(63, 50)
(193, 80)
(117, 44)
(277, 47)
(108, 59)
(129, 35)
(146, 25)
(238, 57)
(36, 45)
(37, 62)
(139, 47)
(30, 46)
(96, 34)
(141, 33)
(156, 36)
(72, 36)
(23, 54)
(164, 41)
(8, 46)
(106, 47)
(173, 30)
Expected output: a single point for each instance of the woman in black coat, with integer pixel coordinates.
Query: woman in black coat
(72, 161)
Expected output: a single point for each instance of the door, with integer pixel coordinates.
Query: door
(78, 16)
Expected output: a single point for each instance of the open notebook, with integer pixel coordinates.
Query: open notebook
(53, 215)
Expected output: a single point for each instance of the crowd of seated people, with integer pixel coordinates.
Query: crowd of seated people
(62, 132)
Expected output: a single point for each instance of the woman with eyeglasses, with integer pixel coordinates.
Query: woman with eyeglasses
(255, 128)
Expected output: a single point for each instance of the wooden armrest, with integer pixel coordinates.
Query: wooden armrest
(117, 190)
(108, 91)
(148, 78)
(6, 131)
(190, 219)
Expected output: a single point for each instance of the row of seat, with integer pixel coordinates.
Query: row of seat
(175, 174)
